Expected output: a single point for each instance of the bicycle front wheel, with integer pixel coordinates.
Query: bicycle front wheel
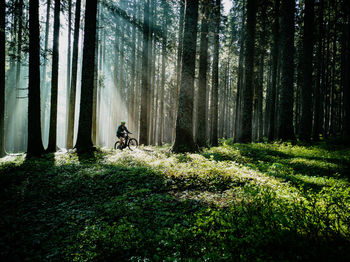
(133, 144)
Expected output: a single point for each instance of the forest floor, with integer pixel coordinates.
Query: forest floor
(236, 202)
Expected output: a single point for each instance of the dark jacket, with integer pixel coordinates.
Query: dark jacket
(121, 130)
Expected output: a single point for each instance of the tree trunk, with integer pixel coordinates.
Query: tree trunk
(247, 98)
(69, 58)
(120, 104)
(184, 123)
(215, 77)
(275, 57)
(164, 60)
(35, 145)
(137, 86)
(2, 78)
(84, 141)
(202, 77)
(306, 91)
(346, 87)
(96, 78)
(285, 128)
(54, 79)
(73, 86)
(178, 63)
(145, 78)
(260, 76)
(131, 112)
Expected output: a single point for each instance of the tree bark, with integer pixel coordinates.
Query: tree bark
(73, 85)
(145, 78)
(35, 145)
(184, 124)
(137, 86)
(131, 112)
(346, 83)
(285, 127)
(178, 62)
(275, 57)
(202, 77)
(247, 98)
(2, 78)
(215, 77)
(69, 56)
(96, 78)
(84, 141)
(306, 91)
(164, 61)
(54, 79)
(238, 125)
(260, 75)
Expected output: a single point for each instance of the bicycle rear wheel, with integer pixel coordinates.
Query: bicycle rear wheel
(133, 144)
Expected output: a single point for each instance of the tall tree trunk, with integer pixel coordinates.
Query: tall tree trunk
(260, 76)
(178, 63)
(145, 78)
(116, 62)
(84, 141)
(184, 124)
(164, 60)
(69, 59)
(2, 78)
(275, 57)
(131, 112)
(247, 98)
(151, 67)
(73, 85)
(346, 65)
(35, 145)
(306, 91)
(96, 77)
(327, 73)
(121, 105)
(202, 77)
(238, 117)
(137, 86)
(54, 79)
(285, 128)
(215, 77)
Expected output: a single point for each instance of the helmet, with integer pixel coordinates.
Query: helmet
(123, 122)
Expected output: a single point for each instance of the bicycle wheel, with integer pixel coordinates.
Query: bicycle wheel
(133, 144)
(116, 145)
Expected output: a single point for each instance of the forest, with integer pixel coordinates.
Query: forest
(174, 130)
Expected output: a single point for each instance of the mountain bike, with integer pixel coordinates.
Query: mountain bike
(131, 143)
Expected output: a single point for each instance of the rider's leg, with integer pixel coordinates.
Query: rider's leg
(125, 141)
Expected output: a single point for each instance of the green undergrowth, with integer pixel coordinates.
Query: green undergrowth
(235, 202)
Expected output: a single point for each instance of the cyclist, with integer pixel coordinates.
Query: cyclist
(122, 133)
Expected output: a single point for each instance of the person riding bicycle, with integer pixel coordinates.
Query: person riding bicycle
(122, 133)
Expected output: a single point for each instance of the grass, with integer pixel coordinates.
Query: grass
(237, 202)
